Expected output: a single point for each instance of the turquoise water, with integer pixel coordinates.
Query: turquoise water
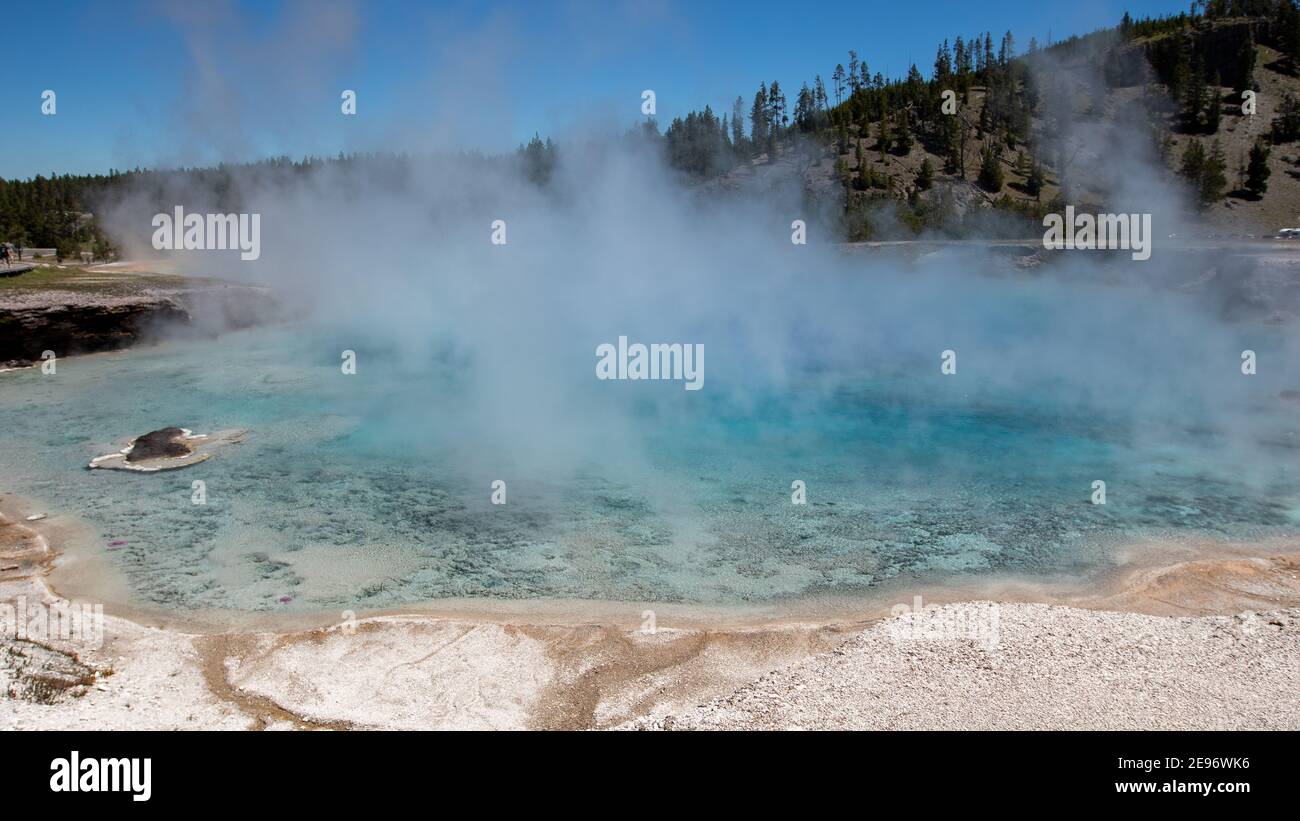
(373, 490)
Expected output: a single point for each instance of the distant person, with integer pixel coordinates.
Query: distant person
(4, 254)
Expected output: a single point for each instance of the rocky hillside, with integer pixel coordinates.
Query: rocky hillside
(1195, 118)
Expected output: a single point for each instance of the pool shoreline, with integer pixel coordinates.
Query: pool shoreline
(84, 574)
(557, 665)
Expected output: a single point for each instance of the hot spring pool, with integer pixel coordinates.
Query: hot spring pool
(372, 490)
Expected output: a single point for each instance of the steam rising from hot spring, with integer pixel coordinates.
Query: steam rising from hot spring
(401, 268)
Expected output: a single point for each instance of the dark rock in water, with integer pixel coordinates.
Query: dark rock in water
(166, 449)
(158, 444)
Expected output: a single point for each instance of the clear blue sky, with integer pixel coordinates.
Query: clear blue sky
(163, 82)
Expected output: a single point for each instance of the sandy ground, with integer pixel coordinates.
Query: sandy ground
(1057, 668)
(1163, 663)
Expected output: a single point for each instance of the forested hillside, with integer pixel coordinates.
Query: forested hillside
(984, 142)
(1026, 132)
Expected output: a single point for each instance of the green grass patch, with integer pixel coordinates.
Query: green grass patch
(38, 277)
(74, 278)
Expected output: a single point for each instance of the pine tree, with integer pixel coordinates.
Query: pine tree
(738, 123)
(1246, 64)
(539, 159)
(805, 109)
(1213, 180)
(1192, 166)
(1286, 28)
(1214, 108)
(925, 177)
(838, 79)
(758, 119)
(990, 178)
(776, 113)
(903, 137)
(775, 105)
(1034, 183)
(952, 144)
(1286, 122)
(1257, 171)
(961, 140)
(1194, 97)
(1181, 72)
(961, 58)
(943, 64)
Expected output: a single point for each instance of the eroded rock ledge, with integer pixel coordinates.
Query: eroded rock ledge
(71, 322)
(66, 323)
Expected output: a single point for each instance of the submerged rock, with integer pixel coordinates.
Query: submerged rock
(166, 449)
